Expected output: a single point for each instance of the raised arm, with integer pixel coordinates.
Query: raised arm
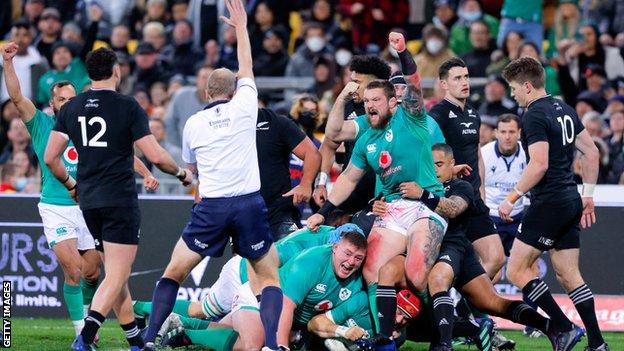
(337, 128)
(238, 20)
(25, 107)
(413, 101)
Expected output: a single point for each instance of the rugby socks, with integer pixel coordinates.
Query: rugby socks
(372, 301)
(386, 306)
(219, 339)
(583, 300)
(520, 312)
(162, 305)
(465, 328)
(73, 299)
(270, 311)
(93, 322)
(142, 308)
(443, 316)
(536, 290)
(88, 290)
(181, 307)
(529, 302)
(132, 334)
(194, 323)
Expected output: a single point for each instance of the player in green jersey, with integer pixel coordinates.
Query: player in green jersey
(63, 223)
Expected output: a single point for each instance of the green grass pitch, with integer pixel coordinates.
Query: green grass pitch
(57, 334)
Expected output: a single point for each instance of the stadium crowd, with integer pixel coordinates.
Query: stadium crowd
(168, 48)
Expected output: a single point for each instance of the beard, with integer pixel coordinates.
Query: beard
(378, 121)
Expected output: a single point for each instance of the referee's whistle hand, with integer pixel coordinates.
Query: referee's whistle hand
(314, 221)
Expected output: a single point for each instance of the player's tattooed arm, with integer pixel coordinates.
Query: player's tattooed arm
(412, 97)
(452, 207)
(432, 248)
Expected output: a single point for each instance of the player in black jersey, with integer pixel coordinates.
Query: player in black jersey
(460, 124)
(104, 126)
(347, 107)
(551, 134)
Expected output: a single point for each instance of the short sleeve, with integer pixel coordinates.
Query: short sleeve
(578, 125)
(358, 157)
(246, 96)
(139, 125)
(289, 133)
(297, 277)
(535, 127)
(188, 154)
(462, 189)
(361, 125)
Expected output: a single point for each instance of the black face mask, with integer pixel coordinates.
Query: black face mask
(307, 119)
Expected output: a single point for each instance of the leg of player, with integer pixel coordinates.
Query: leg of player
(425, 240)
(439, 281)
(566, 265)
(125, 317)
(391, 276)
(183, 260)
(91, 263)
(491, 253)
(248, 324)
(520, 273)
(383, 245)
(271, 299)
(67, 254)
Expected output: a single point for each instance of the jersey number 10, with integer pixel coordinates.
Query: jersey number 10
(95, 141)
(567, 129)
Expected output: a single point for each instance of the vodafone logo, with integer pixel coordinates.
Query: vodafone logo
(385, 159)
(324, 305)
(71, 155)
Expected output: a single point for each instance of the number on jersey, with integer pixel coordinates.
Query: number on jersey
(95, 141)
(567, 129)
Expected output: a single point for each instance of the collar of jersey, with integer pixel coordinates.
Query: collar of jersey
(215, 103)
(456, 105)
(539, 98)
(498, 153)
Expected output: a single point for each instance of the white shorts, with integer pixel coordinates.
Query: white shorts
(245, 299)
(402, 214)
(65, 222)
(218, 301)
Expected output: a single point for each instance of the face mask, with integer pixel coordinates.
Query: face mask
(434, 46)
(470, 16)
(393, 52)
(20, 183)
(315, 44)
(307, 119)
(343, 57)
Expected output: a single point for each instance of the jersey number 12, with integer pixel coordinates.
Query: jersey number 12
(567, 129)
(95, 141)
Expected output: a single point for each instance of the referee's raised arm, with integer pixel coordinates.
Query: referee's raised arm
(238, 20)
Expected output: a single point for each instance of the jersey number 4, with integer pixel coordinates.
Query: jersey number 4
(567, 129)
(95, 141)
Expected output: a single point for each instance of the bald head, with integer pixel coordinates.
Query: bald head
(221, 83)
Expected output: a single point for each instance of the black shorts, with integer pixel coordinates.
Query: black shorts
(120, 225)
(462, 258)
(507, 231)
(548, 226)
(214, 220)
(282, 226)
(480, 224)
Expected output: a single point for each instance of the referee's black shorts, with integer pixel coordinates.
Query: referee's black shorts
(118, 225)
(480, 224)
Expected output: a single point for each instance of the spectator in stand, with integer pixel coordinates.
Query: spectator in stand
(29, 64)
(158, 129)
(181, 54)
(72, 34)
(227, 50)
(149, 69)
(302, 61)
(566, 24)
(306, 113)
(445, 15)
(323, 12)
(324, 78)
(179, 10)
(372, 19)
(143, 99)
(49, 26)
(19, 140)
(434, 51)
(185, 103)
(272, 59)
(478, 58)
(487, 130)
(586, 102)
(502, 56)
(616, 103)
(119, 39)
(206, 23)
(437, 96)
(115, 12)
(612, 22)
(8, 111)
(7, 178)
(615, 141)
(264, 20)
(33, 10)
(496, 101)
(127, 82)
(64, 67)
(158, 94)
(156, 11)
(27, 179)
(460, 37)
(528, 49)
(593, 123)
(154, 33)
(524, 17)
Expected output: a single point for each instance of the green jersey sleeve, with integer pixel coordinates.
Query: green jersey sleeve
(437, 137)
(361, 125)
(299, 275)
(358, 157)
(353, 312)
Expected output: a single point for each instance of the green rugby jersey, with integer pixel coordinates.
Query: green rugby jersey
(354, 312)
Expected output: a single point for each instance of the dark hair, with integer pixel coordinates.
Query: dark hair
(525, 69)
(508, 117)
(480, 21)
(22, 24)
(445, 148)
(100, 64)
(385, 85)
(9, 168)
(358, 240)
(504, 46)
(187, 22)
(60, 84)
(369, 64)
(306, 26)
(335, 217)
(446, 66)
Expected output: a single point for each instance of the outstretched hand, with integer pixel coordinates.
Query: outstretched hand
(238, 16)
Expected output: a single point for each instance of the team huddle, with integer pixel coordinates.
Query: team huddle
(405, 223)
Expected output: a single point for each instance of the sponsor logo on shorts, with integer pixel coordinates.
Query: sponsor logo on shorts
(344, 294)
(324, 305)
(320, 288)
(389, 136)
(546, 241)
(61, 230)
(257, 246)
(200, 244)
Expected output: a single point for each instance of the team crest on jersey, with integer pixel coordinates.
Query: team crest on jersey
(385, 159)
(71, 155)
(389, 136)
(324, 305)
(344, 294)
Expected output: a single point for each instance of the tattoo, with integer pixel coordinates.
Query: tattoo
(432, 247)
(413, 100)
(451, 207)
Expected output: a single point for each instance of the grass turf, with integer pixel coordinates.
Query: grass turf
(57, 334)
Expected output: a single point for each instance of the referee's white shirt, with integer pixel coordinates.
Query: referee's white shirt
(502, 173)
(221, 140)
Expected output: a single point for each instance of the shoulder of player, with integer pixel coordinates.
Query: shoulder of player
(459, 186)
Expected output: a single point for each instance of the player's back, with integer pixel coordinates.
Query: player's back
(103, 126)
(553, 121)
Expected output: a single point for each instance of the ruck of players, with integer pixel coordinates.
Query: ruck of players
(406, 244)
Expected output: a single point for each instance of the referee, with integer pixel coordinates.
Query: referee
(104, 126)
(219, 143)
